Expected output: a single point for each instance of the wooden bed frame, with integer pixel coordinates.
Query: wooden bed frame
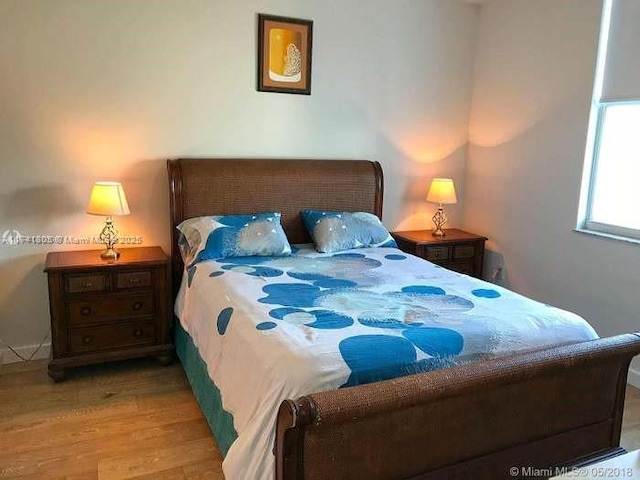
(556, 407)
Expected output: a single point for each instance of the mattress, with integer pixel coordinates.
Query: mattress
(271, 328)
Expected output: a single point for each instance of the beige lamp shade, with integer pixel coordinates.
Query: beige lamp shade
(442, 191)
(108, 198)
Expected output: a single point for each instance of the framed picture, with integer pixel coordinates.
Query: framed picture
(284, 54)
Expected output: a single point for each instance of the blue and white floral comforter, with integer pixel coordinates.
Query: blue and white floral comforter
(271, 328)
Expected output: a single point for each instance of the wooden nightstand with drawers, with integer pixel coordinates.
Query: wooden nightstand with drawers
(102, 311)
(458, 250)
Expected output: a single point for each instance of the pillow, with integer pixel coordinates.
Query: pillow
(222, 236)
(337, 231)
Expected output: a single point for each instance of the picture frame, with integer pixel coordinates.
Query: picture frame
(284, 54)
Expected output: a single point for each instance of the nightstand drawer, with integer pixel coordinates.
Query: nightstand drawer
(437, 253)
(110, 308)
(456, 249)
(464, 251)
(86, 283)
(133, 279)
(111, 336)
(465, 267)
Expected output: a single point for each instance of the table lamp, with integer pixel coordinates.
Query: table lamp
(442, 191)
(108, 199)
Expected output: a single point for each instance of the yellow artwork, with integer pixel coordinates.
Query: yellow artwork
(285, 57)
(284, 54)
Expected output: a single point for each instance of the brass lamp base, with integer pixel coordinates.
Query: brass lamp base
(110, 254)
(439, 220)
(109, 236)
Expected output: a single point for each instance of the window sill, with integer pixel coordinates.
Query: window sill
(608, 236)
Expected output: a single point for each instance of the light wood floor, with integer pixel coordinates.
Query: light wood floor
(124, 420)
(133, 419)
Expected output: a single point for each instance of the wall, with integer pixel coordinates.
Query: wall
(533, 79)
(108, 89)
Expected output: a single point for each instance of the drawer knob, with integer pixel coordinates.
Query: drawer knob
(137, 333)
(134, 280)
(85, 311)
(87, 285)
(137, 306)
(87, 339)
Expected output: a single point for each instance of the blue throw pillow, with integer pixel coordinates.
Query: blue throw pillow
(222, 236)
(336, 231)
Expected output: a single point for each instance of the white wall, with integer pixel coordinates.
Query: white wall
(108, 89)
(533, 80)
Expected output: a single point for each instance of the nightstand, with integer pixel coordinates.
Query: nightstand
(103, 311)
(458, 250)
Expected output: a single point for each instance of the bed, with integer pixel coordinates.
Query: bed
(476, 418)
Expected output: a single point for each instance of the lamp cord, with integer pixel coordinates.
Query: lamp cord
(25, 360)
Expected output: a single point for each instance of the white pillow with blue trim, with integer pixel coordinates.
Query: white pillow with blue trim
(222, 236)
(337, 231)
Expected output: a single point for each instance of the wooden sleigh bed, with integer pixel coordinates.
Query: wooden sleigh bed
(560, 406)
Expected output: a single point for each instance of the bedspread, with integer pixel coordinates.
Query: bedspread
(271, 328)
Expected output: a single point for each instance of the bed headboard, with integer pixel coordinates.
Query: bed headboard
(223, 186)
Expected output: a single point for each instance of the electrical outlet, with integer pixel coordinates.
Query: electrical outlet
(496, 276)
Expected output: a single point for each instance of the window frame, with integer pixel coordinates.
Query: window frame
(588, 223)
(584, 223)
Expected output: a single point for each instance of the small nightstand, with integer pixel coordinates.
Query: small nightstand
(458, 250)
(102, 311)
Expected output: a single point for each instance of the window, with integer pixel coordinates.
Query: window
(610, 201)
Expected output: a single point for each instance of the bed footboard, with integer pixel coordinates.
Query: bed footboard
(553, 407)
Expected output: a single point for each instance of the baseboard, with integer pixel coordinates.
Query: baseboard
(7, 356)
(634, 378)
